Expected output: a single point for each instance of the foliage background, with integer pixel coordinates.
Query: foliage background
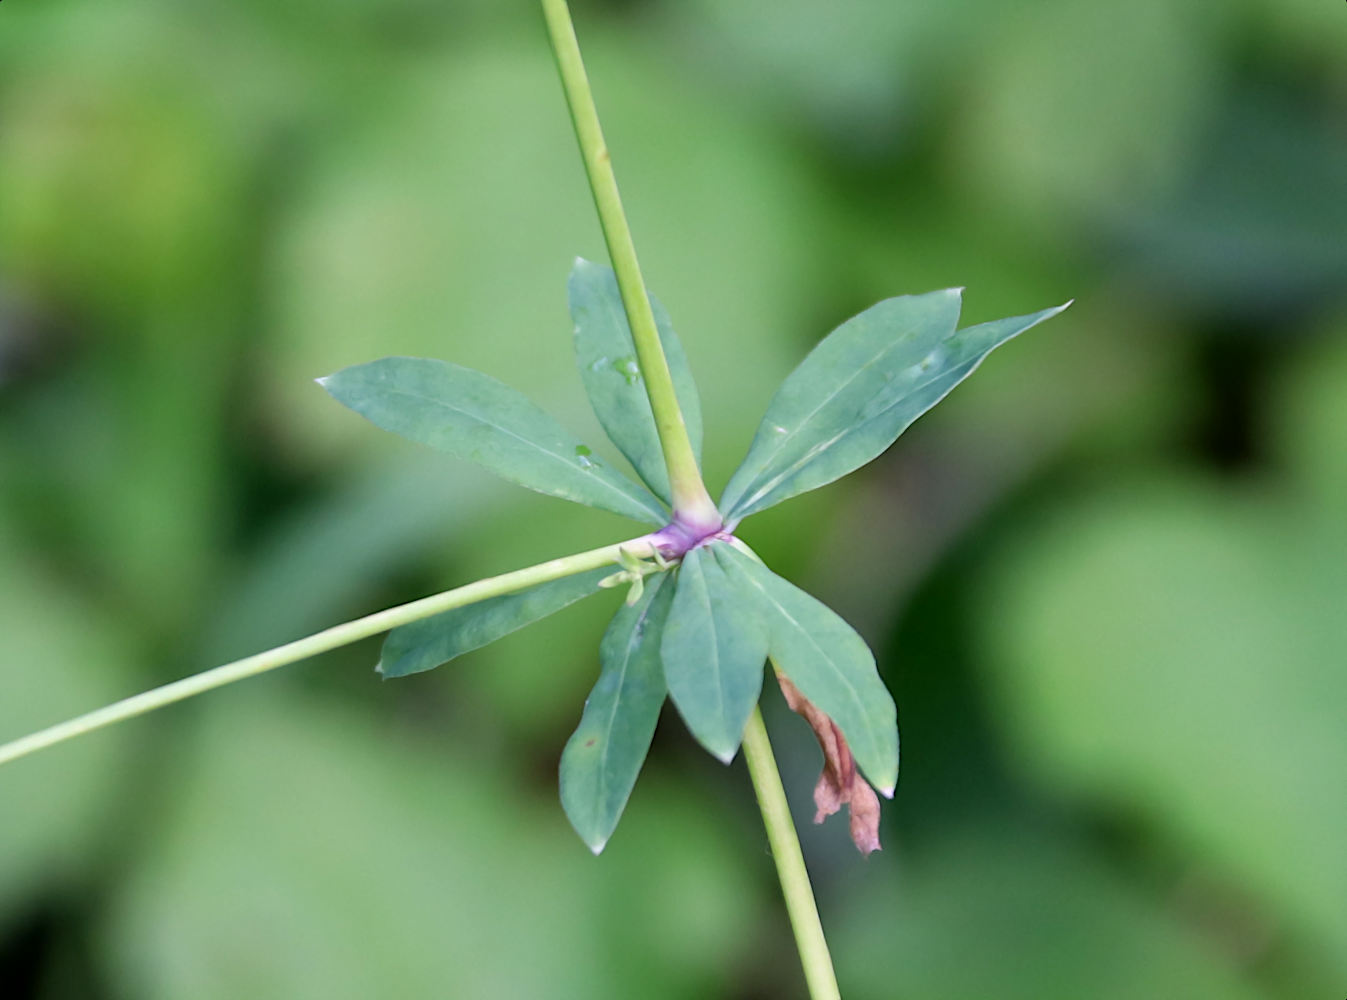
(1106, 580)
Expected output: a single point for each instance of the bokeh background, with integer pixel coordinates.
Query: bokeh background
(1106, 579)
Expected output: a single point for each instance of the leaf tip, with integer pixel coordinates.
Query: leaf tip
(323, 380)
(596, 846)
(887, 791)
(725, 756)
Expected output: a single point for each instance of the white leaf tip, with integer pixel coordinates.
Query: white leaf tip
(887, 792)
(597, 848)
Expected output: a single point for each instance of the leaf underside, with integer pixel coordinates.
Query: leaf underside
(475, 417)
(828, 661)
(430, 642)
(713, 651)
(861, 387)
(603, 757)
(606, 356)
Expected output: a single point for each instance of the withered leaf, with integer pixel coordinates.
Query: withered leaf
(828, 662)
(840, 783)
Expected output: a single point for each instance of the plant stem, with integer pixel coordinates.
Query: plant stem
(691, 502)
(690, 499)
(804, 919)
(321, 642)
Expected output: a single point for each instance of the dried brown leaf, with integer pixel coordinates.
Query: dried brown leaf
(840, 783)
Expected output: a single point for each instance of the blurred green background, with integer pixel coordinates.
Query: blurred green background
(1106, 580)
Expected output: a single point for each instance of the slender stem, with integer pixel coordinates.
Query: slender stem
(790, 869)
(690, 498)
(321, 642)
(691, 501)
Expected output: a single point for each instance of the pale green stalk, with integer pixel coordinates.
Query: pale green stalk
(690, 500)
(321, 642)
(790, 869)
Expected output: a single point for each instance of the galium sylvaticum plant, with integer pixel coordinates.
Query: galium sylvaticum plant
(702, 613)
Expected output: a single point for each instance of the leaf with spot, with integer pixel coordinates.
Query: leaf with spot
(606, 356)
(603, 757)
(829, 663)
(862, 386)
(473, 416)
(713, 651)
(430, 642)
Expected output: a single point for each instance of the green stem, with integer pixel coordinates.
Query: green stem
(690, 499)
(790, 869)
(321, 642)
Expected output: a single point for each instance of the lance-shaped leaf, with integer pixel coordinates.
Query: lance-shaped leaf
(424, 645)
(606, 356)
(475, 417)
(713, 652)
(829, 663)
(604, 756)
(827, 421)
(830, 389)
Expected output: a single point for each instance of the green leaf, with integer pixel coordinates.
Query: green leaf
(1206, 698)
(475, 417)
(606, 356)
(830, 664)
(432, 837)
(425, 645)
(861, 387)
(604, 756)
(830, 391)
(1049, 910)
(713, 651)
